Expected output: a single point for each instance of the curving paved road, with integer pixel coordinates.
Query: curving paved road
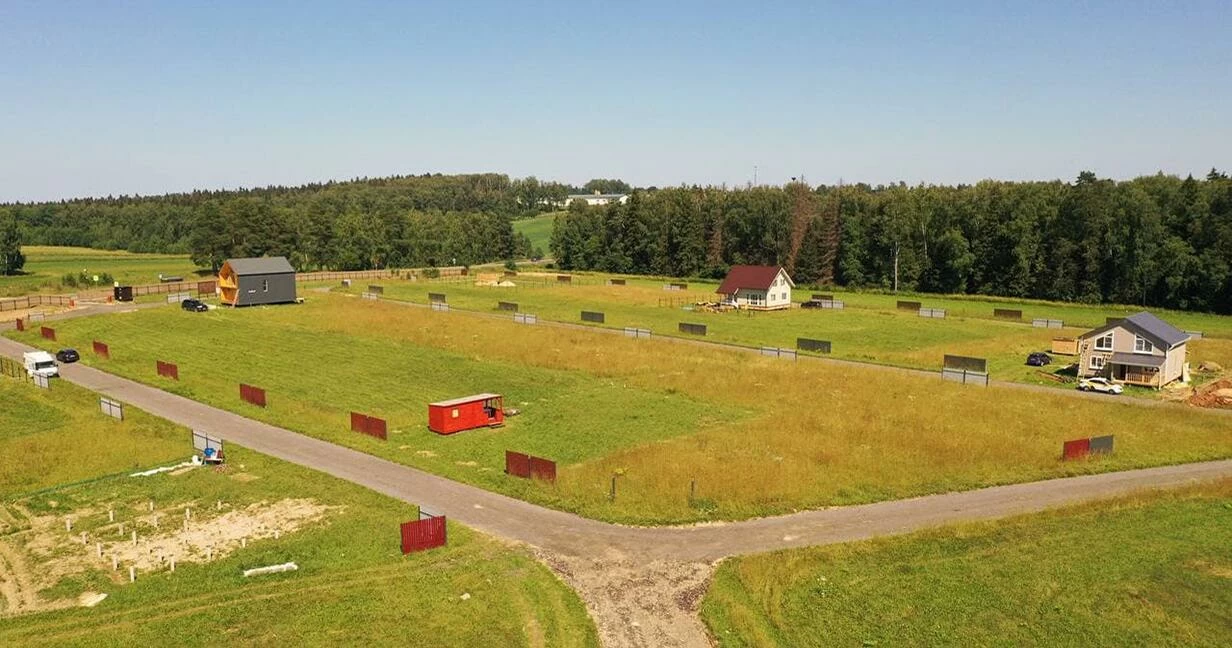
(570, 535)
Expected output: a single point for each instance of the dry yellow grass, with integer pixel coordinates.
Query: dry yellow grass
(823, 434)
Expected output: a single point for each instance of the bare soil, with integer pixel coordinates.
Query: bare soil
(1217, 394)
(39, 557)
(636, 604)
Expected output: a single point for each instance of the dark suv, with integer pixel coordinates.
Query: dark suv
(1039, 359)
(194, 305)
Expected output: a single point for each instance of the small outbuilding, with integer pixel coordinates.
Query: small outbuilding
(757, 287)
(256, 281)
(466, 413)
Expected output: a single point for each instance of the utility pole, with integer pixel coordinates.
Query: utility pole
(754, 175)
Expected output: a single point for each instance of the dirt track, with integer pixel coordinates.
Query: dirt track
(640, 584)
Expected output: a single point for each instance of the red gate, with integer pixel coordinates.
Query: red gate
(370, 425)
(542, 469)
(254, 395)
(167, 370)
(47, 333)
(528, 467)
(517, 464)
(101, 350)
(1076, 449)
(418, 535)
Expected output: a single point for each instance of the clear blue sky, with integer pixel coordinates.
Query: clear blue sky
(104, 98)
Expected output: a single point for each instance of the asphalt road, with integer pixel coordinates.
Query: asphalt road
(570, 535)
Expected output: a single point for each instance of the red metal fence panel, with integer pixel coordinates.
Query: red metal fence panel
(542, 469)
(48, 333)
(21, 324)
(418, 535)
(370, 425)
(168, 370)
(377, 428)
(517, 464)
(101, 350)
(1076, 449)
(526, 466)
(254, 395)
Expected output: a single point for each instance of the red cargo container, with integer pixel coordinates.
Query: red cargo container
(466, 413)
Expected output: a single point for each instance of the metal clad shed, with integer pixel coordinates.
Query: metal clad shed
(256, 281)
(466, 413)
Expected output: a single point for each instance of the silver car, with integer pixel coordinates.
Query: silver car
(1101, 385)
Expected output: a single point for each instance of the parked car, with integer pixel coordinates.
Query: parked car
(810, 304)
(194, 305)
(1039, 359)
(1101, 385)
(68, 356)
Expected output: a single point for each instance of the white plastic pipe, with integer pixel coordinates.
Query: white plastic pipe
(272, 569)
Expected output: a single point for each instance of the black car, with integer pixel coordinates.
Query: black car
(1039, 359)
(194, 305)
(810, 304)
(68, 356)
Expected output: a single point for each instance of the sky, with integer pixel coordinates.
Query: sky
(110, 98)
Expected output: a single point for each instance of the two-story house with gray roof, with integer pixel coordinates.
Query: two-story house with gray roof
(1138, 350)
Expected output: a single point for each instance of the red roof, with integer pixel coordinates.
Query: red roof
(749, 277)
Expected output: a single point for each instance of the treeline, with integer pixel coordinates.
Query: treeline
(1156, 240)
(353, 225)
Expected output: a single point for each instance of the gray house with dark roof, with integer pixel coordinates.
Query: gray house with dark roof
(255, 281)
(1139, 350)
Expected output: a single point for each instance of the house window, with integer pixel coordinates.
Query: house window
(1097, 362)
(784, 296)
(1142, 345)
(1104, 343)
(265, 285)
(454, 413)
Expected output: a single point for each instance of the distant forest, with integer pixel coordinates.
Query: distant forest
(1155, 240)
(402, 221)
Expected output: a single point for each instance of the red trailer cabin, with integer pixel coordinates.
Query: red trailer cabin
(466, 413)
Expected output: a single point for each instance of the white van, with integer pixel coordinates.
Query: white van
(41, 363)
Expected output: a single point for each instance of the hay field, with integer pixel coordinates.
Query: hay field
(46, 265)
(759, 436)
(870, 330)
(1150, 570)
(352, 586)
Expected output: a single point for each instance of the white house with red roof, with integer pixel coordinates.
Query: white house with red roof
(757, 287)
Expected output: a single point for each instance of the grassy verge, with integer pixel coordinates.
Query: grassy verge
(759, 436)
(871, 329)
(353, 585)
(1150, 570)
(47, 265)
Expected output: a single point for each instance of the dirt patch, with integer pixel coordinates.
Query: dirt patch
(636, 605)
(38, 558)
(244, 477)
(213, 537)
(17, 587)
(1217, 394)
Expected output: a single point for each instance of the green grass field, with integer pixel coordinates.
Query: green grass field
(1151, 570)
(353, 585)
(871, 329)
(759, 436)
(45, 266)
(539, 230)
